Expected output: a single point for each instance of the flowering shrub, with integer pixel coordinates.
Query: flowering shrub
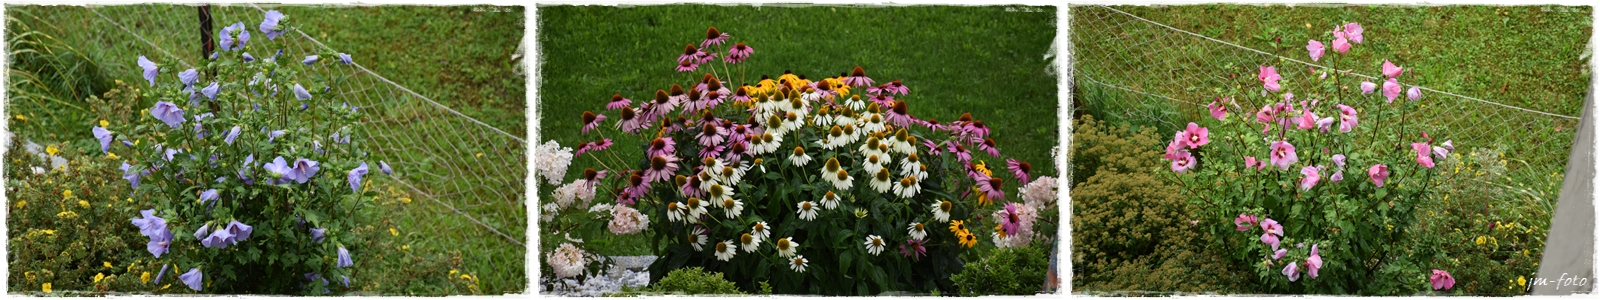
(819, 186)
(255, 178)
(1321, 188)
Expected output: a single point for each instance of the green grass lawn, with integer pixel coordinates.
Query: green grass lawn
(989, 61)
(461, 56)
(1530, 57)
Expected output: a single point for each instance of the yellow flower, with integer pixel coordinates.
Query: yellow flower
(453, 272)
(46, 287)
(103, 123)
(99, 276)
(405, 199)
(67, 214)
(21, 203)
(1482, 240)
(166, 286)
(145, 277)
(406, 247)
(84, 204)
(22, 118)
(52, 150)
(108, 264)
(112, 155)
(29, 275)
(394, 232)
(956, 227)
(1522, 280)
(465, 277)
(480, 154)
(66, 194)
(983, 168)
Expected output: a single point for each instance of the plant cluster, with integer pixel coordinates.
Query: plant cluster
(818, 185)
(267, 174)
(1280, 178)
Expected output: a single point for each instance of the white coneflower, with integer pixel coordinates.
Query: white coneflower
(901, 142)
(786, 247)
(882, 181)
(838, 176)
(874, 244)
(695, 208)
(773, 122)
(871, 147)
(873, 163)
(808, 210)
(911, 162)
(916, 231)
(799, 158)
(731, 174)
(697, 238)
(908, 187)
(798, 264)
(822, 118)
(941, 210)
(706, 180)
(855, 103)
(732, 207)
(760, 231)
(830, 200)
(846, 119)
(792, 121)
(719, 192)
(725, 250)
(873, 123)
(713, 166)
(851, 135)
(749, 242)
(674, 211)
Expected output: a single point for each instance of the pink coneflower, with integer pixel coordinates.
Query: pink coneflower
(618, 102)
(672, 97)
(704, 57)
(989, 146)
(637, 185)
(629, 122)
(976, 128)
(897, 88)
(738, 53)
(694, 102)
(591, 120)
(932, 124)
(711, 134)
(714, 98)
(687, 66)
(594, 146)
(858, 77)
(662, 146)
(742, 95)
(1009, 220)
(736, 150)
(933, 148)
(691, 186)
(898, 114)
(714, 37)
(913, 248)
(661, 168)
(711, 152)
(994, 188)
(591, 178)
(878, 89)
(1020, 169)
(690, 54)
(960, 152)
(882, 100)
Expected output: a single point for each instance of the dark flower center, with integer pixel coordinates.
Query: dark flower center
(858, 72)
(588, 117)
(690, 50)
(658, 163)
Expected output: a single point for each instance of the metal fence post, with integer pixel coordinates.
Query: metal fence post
(206, 44)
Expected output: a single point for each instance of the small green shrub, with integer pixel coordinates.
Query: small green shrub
(1006, 271)
(1132, 230)
(695, 281)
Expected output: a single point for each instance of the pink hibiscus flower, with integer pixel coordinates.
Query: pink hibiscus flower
(1310, 179)
(1423, 151)
(1378, 173)
(1244, 222)
(1218, 110)
(1347, 118)
(1392, 71)
(1196, 136)
(1442, 280)
(1316, 49)
(1283, 155)
(1391, 89)
(1183, 162)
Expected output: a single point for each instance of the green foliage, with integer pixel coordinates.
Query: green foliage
(1006, 271)
(1490, 242)
(694, 281)
(1131, 228)
(47, 80)
(57, 226)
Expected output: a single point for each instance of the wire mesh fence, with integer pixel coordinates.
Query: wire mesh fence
(1159, 74)
(470, 173)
